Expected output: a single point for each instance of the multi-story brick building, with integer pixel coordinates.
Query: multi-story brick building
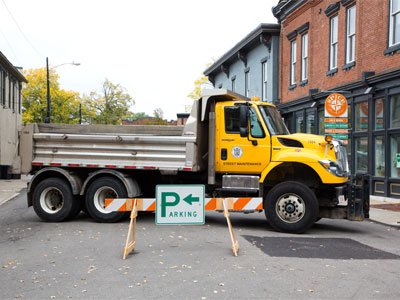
(351, 47)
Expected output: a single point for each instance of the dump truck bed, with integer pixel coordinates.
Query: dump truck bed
(108, 146)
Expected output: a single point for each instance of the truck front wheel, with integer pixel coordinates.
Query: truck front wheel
(101, 189)
(291, 207)
(53, 200)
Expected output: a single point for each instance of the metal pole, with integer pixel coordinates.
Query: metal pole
(80, 113)
(47, 120)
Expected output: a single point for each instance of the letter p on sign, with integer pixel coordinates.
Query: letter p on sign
(179, 204)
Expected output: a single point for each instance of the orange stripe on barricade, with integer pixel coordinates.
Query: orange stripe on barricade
(240, 203)
(152, 207)
(211, 205)
(260, 206)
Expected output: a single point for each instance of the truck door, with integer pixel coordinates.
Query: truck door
(235, 154)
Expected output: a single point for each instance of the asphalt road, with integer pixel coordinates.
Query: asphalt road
(83, 259)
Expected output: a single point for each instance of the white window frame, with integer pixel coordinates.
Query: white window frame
(304, 57)
(234, 84)
(392, 17)
(265, 80)
(333, 41)
(350, 35)
(293, 45)
(247, 83)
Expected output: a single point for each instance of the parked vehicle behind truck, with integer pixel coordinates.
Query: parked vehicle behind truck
(234, 146)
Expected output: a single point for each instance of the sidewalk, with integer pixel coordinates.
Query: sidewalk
(383, 210)
(9, 189)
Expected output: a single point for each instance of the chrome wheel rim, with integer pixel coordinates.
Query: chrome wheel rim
(290, 208)
(51, 200)
(101, 194)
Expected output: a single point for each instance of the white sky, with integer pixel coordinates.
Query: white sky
(155, 49)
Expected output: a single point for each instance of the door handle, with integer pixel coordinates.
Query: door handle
(224, 154)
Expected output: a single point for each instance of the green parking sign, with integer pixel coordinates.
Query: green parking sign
(179, 204)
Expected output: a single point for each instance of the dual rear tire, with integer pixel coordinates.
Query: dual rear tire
(53, 200)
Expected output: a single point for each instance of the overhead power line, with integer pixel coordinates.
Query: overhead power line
(19, 28)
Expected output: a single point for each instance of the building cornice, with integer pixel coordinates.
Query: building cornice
(260, 35)
(11, 69)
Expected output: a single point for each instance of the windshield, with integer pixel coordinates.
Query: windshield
(273, 120)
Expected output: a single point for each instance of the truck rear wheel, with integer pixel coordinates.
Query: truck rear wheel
(101, 189)
(291, 207)
(53, 200)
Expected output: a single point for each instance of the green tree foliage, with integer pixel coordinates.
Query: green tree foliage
(198, 86)
(158, 118)
(64, 104)
(109, 106)
(196, 93)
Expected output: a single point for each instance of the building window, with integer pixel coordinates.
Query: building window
(233, 83)
(351, 34)
(310, 124)
(394, 22)
(293, 62)
(379, 156)
(2, 101)
(247, 83)
(264, 80)
(361, 158)
(9, 92)
(300, 122)
(379, 114)
(395, 156)
(20, 98)
(395, 111)
(361, 121)
(304, 57)
(3, 89)
(333, 43)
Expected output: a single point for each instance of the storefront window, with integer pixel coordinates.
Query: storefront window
(310, 122)
(379, 156)
(395, 111)
(321, 118)
(348, 149)
(361, 122)
(379, 115)
(300, 123)
(361, 155)
(395, 155)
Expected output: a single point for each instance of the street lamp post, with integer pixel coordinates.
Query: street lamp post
(48, 114)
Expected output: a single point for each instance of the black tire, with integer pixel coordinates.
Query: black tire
(53, 200)
(100, 189)
(291, 207)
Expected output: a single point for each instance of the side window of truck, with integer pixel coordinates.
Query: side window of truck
(232, 122)
(256, 129)
(232, 119)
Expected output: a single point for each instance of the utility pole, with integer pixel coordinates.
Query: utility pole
(47, 119)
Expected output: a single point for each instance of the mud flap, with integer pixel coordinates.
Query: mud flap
(358, 198)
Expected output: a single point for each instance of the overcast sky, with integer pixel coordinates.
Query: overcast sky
(155, 49)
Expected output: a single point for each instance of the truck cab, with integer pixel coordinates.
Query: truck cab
(301, 177)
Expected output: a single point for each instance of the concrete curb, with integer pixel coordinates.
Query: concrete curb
(383, 223)
(9, 199)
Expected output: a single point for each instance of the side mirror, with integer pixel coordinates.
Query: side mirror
(244, 120)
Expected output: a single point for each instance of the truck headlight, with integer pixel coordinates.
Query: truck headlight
(333, 168)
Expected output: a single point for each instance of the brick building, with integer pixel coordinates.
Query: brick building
(351, 47)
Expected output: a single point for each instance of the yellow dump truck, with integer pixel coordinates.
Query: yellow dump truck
(235, 147)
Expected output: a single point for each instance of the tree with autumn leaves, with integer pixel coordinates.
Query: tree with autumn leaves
(109, 106)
